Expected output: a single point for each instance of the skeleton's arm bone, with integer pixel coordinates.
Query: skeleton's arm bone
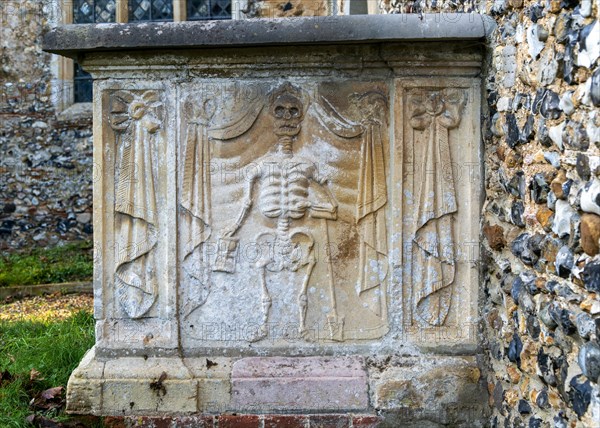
(246, 205)
(327, 212)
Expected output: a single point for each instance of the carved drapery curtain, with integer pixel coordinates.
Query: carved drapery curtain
(433, 113)
(195, 200)
(370, 109)
(136, 124)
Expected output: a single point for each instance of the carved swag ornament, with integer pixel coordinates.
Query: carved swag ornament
(433, 112)
(135, 118)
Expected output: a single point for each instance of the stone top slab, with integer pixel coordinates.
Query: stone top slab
(69, 40)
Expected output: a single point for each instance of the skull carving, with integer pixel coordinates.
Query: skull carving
(288, 111)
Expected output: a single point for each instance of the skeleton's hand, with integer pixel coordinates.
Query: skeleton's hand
(228, 231)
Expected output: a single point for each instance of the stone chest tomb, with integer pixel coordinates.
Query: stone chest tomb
(286, 216)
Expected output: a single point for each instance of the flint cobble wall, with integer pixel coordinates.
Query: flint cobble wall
(541, 215)
(45, 162)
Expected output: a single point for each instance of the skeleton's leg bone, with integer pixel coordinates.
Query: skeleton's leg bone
(302, 297)
(307, 258)
(265, 259)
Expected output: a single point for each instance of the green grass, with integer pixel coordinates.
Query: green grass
(54, 349)
(71, 262)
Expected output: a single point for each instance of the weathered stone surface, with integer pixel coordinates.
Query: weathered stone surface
(404, 387)
(316, 384)
(67, 40)
(254, 223)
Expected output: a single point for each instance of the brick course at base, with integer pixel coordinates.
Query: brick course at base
(247, 421)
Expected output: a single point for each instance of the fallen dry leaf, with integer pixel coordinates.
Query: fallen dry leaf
(34, 375)
(48, 399)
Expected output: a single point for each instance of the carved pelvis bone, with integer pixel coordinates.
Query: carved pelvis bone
(277, 254)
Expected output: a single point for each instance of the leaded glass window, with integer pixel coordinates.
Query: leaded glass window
(92, 11)
(82, 85)
(208, 9)
(150, 10)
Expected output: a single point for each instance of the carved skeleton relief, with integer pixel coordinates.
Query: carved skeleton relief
(135, 117)
(280, 226)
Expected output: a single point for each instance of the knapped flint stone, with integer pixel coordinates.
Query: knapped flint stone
(535, 12)
(536, 105)
(551, 286)
(563, 218)
(543, 136)
(566, 103)
(524, 407)
(585, 8)
(568, 63)
(533, 327)
(565, 343)
(585, 325)
(589, 361)
(562, 26)
(517, 422)
(503, 104)
(546, 367)
(539, 188)
(496, 125)
(562, 317)
(520, 296)
(521, 249)
(591, 276)
(574, 135)
(527, 133)
(530, 279)
(549, 107)
(560, 421)
(595, 88)
(535, 46)
(553, 158)
(535, 422)
(516, 185)
(514, 350)
(583, 166)
(589, 45)
(569, 4)
(516, 213)
(521, 101)
(548, 68)
(512, 134)
(9, 208)
(590, 197)
(564, 291)
(506, 282)
(535, 245)
(555, 133)
(542, 399)
(580, 394)
(564, 261)
(499, 397)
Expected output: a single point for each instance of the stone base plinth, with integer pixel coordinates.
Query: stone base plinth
(247, 421)
(401, 390)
